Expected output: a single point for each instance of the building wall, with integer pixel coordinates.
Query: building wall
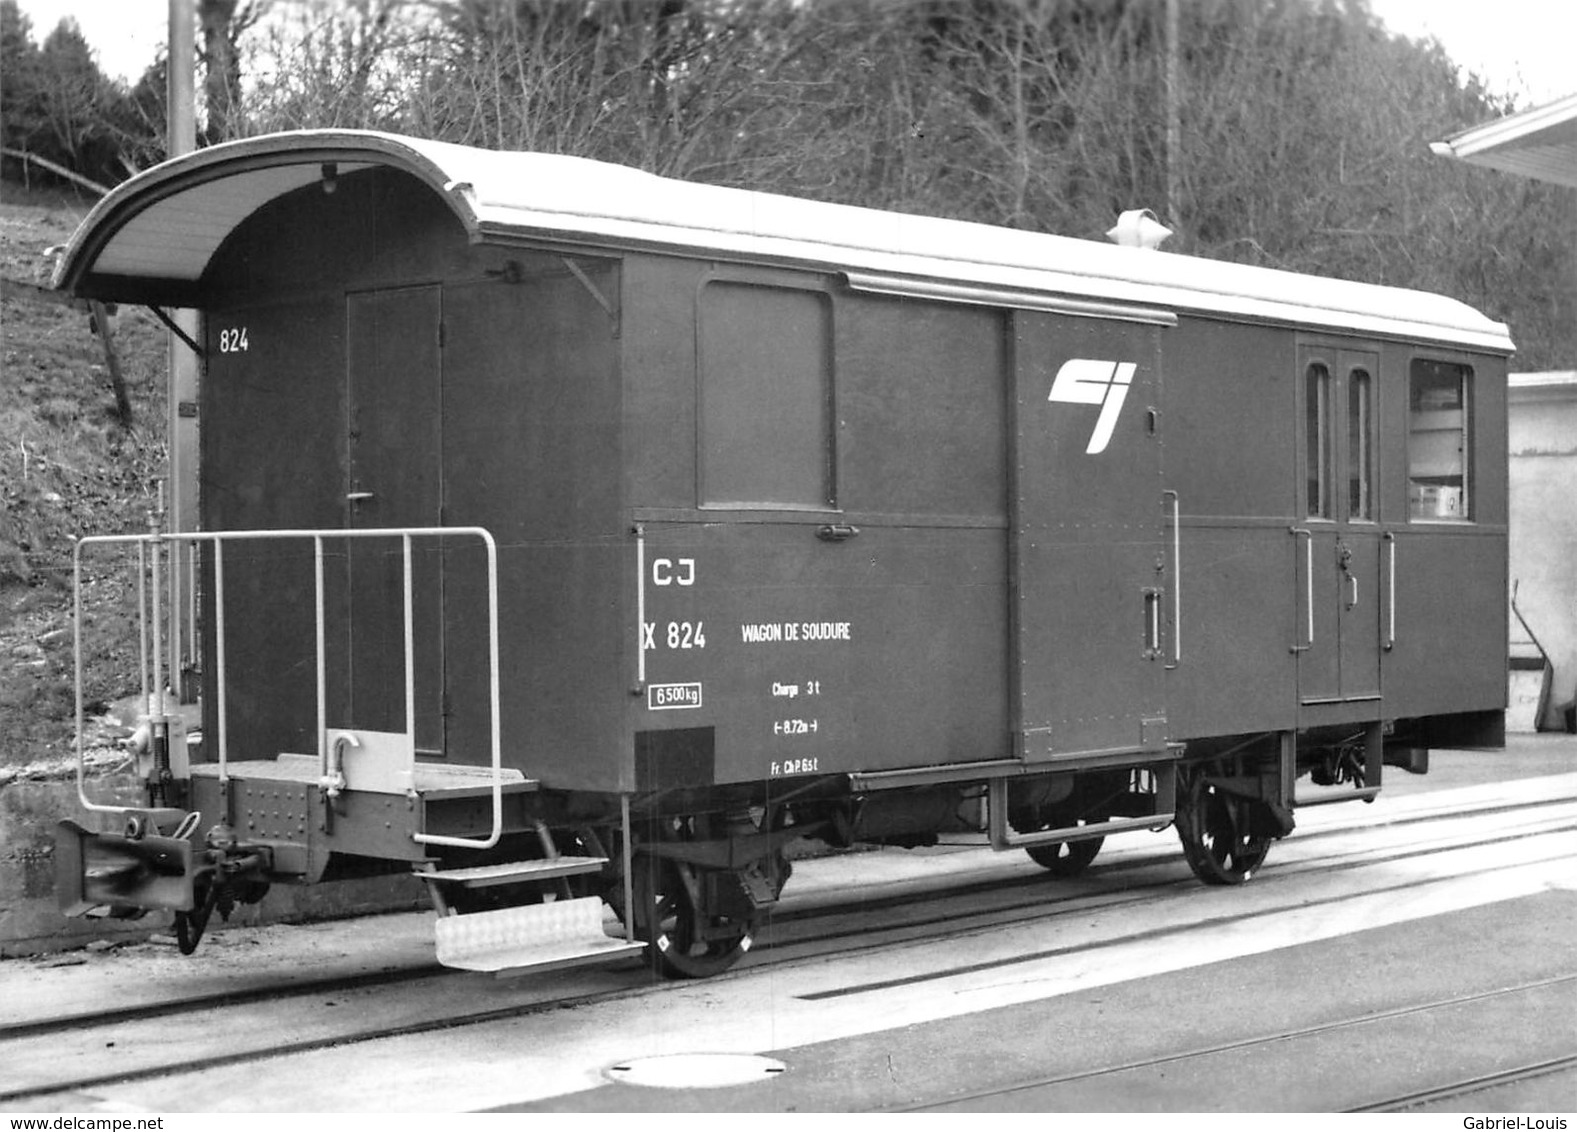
(1543, 540)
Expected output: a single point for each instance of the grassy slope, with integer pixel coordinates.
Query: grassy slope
(67, 468)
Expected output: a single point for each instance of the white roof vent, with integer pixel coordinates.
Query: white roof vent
(1138, 228)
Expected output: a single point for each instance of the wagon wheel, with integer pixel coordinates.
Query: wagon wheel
(1216, 830)
(685, 939)
(1064, 859)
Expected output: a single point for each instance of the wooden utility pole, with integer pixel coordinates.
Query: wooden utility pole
(181, 138)
(1174, 130)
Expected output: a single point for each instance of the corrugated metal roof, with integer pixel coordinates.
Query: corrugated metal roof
(166, 223)
(1540, 143)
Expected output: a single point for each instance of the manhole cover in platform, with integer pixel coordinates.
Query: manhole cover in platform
(695, 1070)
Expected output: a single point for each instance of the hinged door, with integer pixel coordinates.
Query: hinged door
(1338, 540)
(1090, 585)
(394, 461)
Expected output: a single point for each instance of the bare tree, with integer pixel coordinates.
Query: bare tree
(356, 64)
(1295, 135)
(221, 24)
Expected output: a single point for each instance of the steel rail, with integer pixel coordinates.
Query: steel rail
(1073, 902)
(644, 986)
(1132, 893)
(1470, 1085)
(1291, 1034)
(198, 1004)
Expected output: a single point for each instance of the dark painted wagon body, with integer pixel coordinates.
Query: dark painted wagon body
(803, 521)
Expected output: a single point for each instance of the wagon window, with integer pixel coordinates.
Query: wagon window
(1317, 441)
(765, 393)
(1439, 439)
(1360, 445)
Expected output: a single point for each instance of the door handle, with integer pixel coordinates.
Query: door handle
(1152, 623)
(358, 496)
(836, 532)
(1352, 593)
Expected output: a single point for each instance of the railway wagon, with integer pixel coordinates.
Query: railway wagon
(580, 539)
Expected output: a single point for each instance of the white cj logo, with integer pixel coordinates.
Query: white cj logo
(1090, 381)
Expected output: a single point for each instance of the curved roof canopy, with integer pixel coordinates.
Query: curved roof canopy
(153, 237)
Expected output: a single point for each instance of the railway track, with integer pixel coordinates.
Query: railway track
(1089, 1090)
(134, 1044)
(1456, 1092)
(1144, 874)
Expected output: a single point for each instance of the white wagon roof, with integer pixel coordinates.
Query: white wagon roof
(159, 230)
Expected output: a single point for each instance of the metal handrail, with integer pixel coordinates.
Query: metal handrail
(1177, 577)
(153, 542)
(1390, 601)
(1308, 583)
